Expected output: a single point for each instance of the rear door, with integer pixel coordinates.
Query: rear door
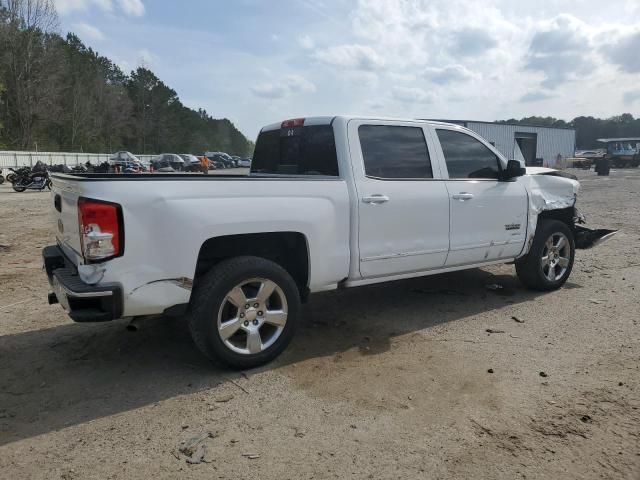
(488, 216)
(403, 206)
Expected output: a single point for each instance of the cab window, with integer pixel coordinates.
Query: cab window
(467, 157)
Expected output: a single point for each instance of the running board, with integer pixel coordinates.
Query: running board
(587, 238)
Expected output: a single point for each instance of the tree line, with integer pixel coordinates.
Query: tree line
(589, 129)
(56, 94)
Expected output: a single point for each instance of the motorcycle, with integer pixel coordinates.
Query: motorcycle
(25, 179)
(11, 177)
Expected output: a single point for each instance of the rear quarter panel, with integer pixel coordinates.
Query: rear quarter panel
(167, 221)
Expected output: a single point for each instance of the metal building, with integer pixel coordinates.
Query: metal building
(536, 145)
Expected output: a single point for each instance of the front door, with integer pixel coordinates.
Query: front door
(488, 216)
(403, 205)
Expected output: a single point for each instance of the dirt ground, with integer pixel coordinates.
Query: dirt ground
(400, 380)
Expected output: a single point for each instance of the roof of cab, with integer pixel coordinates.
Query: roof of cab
(327, 120)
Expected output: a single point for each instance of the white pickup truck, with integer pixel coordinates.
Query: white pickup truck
(330, 202)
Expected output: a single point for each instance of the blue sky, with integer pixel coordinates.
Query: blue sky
(257, 62)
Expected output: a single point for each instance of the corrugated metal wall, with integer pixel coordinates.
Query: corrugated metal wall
(551, 141)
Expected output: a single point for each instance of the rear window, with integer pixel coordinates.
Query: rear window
(309, 150)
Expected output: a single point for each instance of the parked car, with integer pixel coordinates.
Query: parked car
(170, 160)
(244, 162)
(127, 162)
(221, 157)
(191, 162)
(390, 199)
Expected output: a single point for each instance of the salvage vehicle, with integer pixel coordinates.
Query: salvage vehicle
(330, 202)
(622, 152)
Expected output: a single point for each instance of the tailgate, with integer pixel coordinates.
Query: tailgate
(65, 211)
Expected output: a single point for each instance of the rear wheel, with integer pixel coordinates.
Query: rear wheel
(548, 264)
(244, 311)
(19, 188)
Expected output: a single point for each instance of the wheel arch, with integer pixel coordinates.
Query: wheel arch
(564, 215)
(289, 249)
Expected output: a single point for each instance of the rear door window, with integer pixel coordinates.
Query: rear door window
(467, 157)
(391, 151)
(306, 150)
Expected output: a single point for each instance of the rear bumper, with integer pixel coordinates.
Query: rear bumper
(83, 302)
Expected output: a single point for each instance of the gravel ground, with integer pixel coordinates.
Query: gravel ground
(400, 380)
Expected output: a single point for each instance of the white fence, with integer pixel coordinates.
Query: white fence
(20, 159)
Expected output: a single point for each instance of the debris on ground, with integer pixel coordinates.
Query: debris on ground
(596, 301)
(544, 375)
(194, 449)
(224, 398)
(251, 456)
(494, 330)
(490, 370)
(516, 319)
(198, 456)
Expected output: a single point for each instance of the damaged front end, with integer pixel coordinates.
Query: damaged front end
(588, 238)
(553, 194)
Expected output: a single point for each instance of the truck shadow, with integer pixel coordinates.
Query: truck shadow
(63, 376)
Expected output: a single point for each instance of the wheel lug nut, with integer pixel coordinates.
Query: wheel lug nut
(242, 315)
(246, 306)
(255, 305)
(255, 322)
(246, 323)
(260, 313)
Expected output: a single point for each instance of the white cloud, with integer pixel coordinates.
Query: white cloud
(357, 57)
(625, 52)
(68, 6)
(306, 42)
(146, 59)
(449, 74)
(132, 8)
(561, 49)
(536, 96)
(412, 95)
(632, 96)
(289, 85)
(87, 32)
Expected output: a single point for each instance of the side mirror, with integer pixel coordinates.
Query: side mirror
(513, 170)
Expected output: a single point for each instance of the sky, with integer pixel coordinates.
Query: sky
(261, 61)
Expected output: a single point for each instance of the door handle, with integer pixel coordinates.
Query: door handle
(375, 199)
(462, 196)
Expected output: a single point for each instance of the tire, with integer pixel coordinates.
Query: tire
(537, 273)
(18, 188)
(1, 179)
(213, 313)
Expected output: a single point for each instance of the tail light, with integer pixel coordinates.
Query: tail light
(101, 229)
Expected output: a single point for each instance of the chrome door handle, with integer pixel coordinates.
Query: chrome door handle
(375, 199)
(462, 196)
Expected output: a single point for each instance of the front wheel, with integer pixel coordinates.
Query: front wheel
(548, 264)
(244, 311)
